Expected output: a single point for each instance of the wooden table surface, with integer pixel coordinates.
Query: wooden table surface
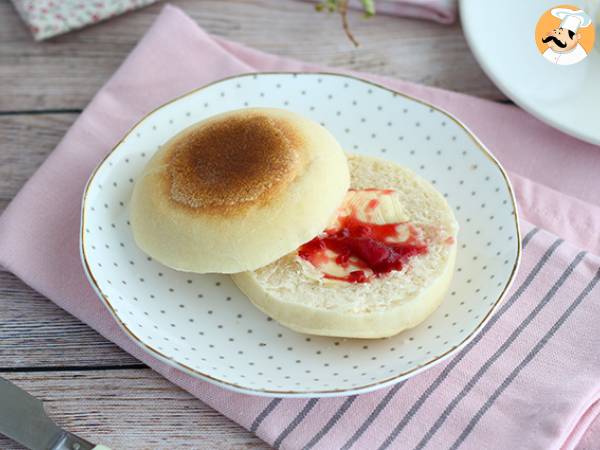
(89, 385)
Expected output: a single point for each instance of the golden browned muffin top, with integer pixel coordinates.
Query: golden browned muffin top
(228, 164)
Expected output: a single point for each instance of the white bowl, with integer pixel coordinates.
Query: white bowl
(203, 325)
(501, 35)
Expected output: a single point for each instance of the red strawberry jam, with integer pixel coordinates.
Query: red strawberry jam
(373, 248)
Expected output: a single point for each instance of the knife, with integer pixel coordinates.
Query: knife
(23, 419)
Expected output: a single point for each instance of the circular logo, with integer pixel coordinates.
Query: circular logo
(565, 35)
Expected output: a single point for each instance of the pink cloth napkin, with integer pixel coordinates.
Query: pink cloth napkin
(530, 380)
(443, 11)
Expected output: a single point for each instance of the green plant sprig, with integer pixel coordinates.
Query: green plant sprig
(341, 6)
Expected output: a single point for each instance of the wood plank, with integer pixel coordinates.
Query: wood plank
(34, 332)
(26, 142)
(130, 410)
(66, 71)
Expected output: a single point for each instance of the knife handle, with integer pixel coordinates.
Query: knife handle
(70, 441)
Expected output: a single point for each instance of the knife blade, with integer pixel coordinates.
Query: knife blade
(24, 420)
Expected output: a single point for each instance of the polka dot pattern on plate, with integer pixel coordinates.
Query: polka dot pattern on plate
(203, 324)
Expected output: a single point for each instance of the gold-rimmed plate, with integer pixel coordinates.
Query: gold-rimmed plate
(205, 326)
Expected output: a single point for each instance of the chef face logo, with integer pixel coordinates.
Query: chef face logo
(565, 35)
(561, 40)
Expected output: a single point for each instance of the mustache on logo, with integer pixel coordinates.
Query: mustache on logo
(556, 41)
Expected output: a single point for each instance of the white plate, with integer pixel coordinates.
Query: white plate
(501, 36)
(205, 326)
